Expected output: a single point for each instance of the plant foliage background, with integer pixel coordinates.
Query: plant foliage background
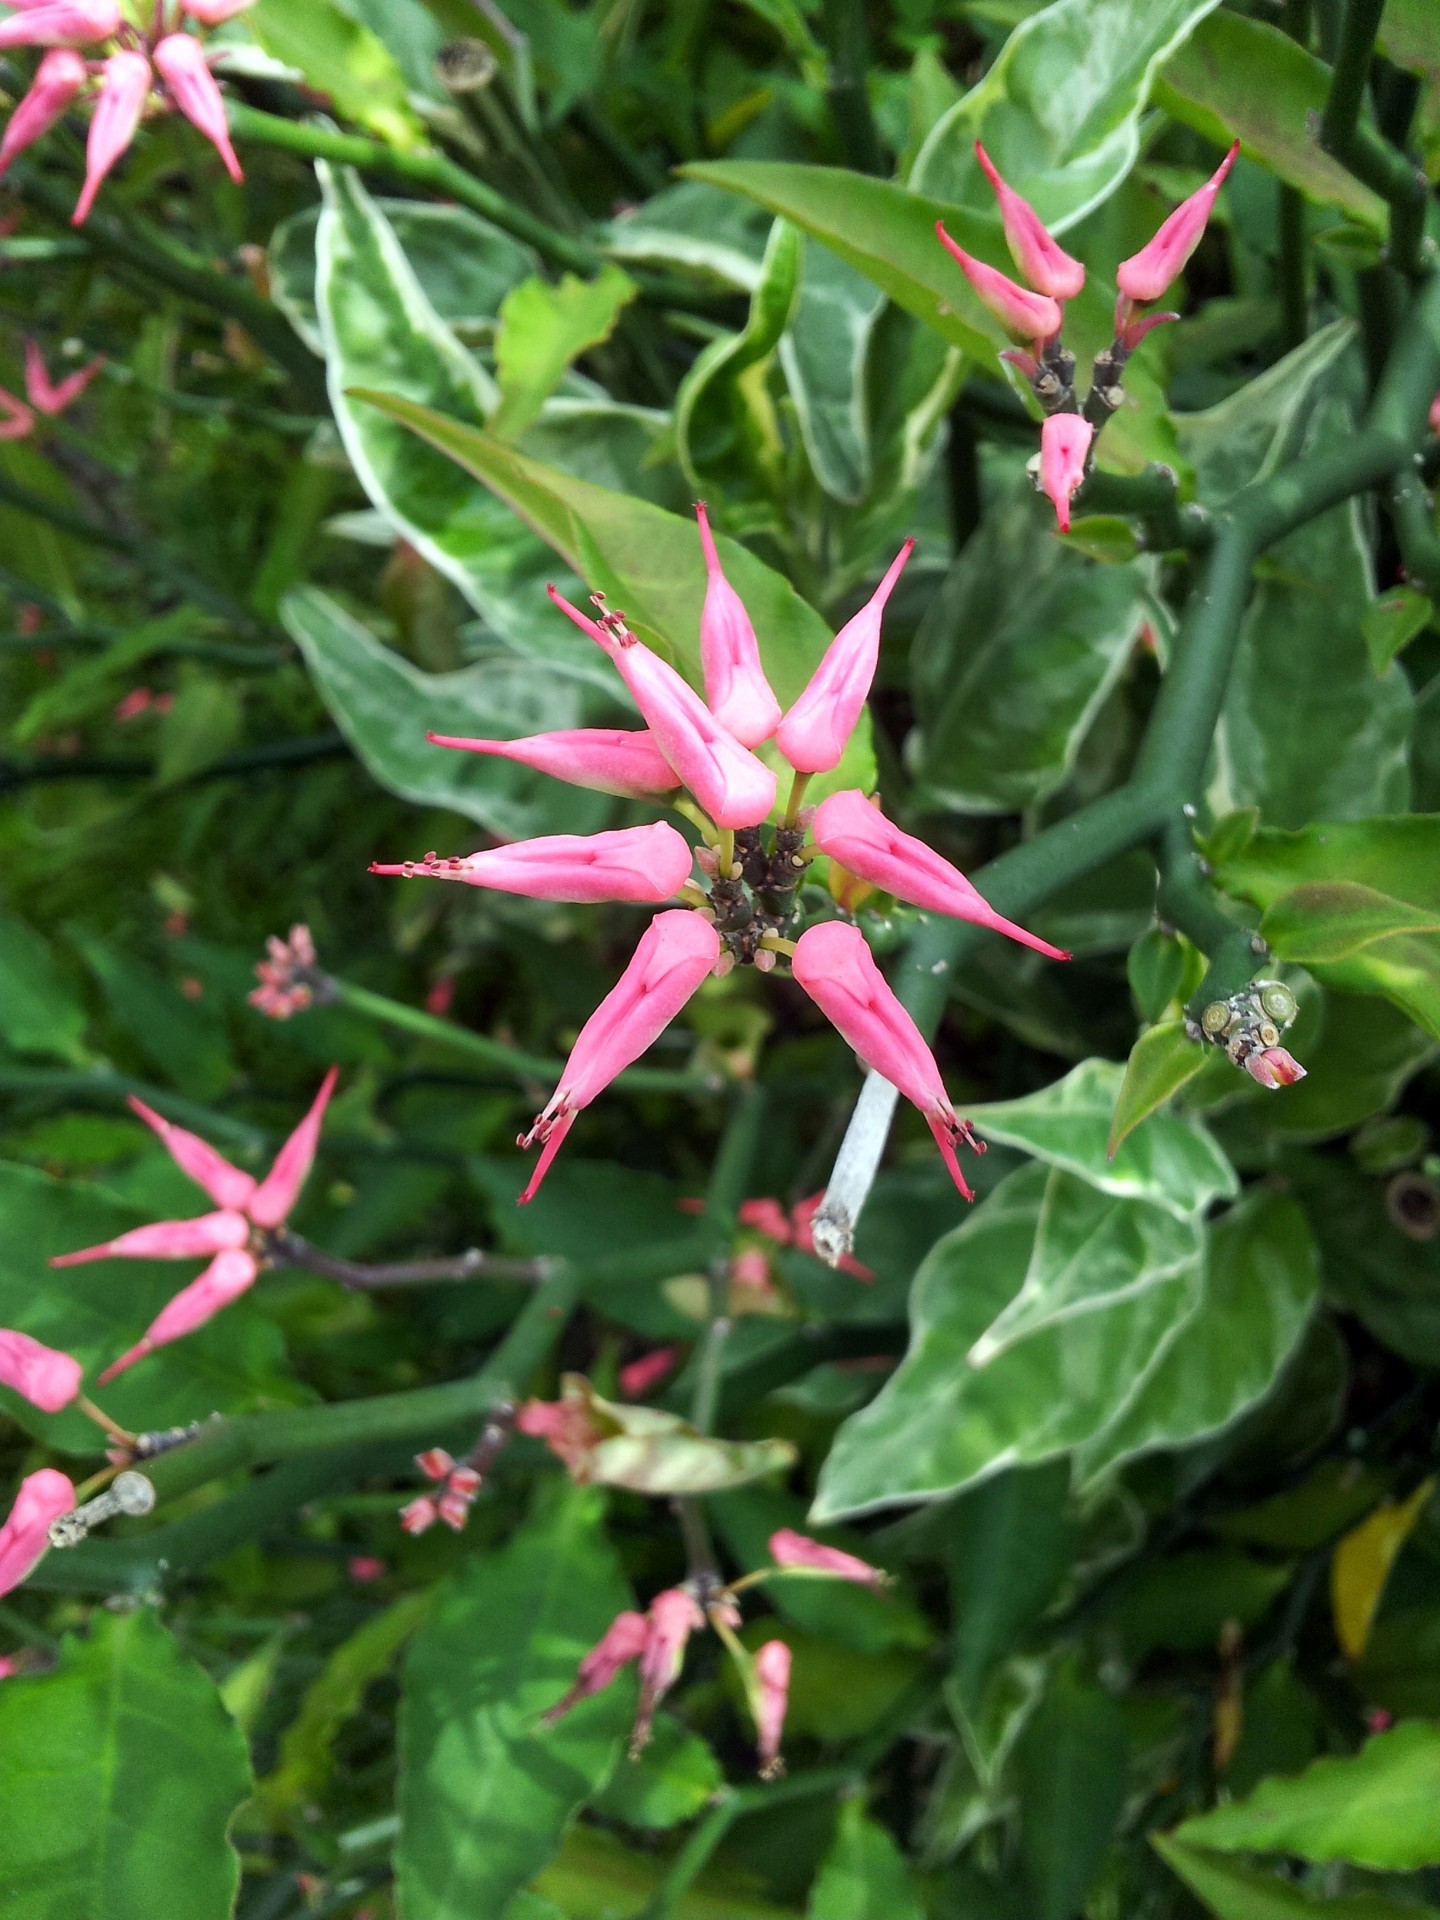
(1145, 1438)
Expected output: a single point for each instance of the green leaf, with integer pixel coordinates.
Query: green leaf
(1392, 622)
(1233, 1892)
(39, 1012)
(1394, 860)
(186, 1039)
(331, 1698)
(342, 58)
(1016, 611)
(94, 683)
(543, 329)
(1171, 1159)
(96, 1312)
(1059, 110)
(1071, 1767)
(385, 706)
(824, 354)
(1007, 1545)
(1375, 1808)
(726, 430)
(1161, 1061)
(674, 1777)
(1331, 920)
(653, 1452)
(486, 1790)
(1236, 78)
(119, 1770)
(864, 1874)
(1182, 1602)
(205, 722)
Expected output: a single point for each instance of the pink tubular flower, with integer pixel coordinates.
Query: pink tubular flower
(815, 732)
(19, 421)
(604, 759)
(622, 1641)
(772, 1693)
(9, 1666)
(180, 62)
(1433, 418)
(1146, 275)
(1064, 448)
(43, 1497)
(211, 13)
(792, 1551)
(640, 864)
(673, 1617)
(1274, 1067)
(855, 832)
(767, 1217)
(1027, 318)
(117, 115)
(736, 690)
(733, 787)
(54, 399)
(836, 968)
(1044, 264)
(647, 1370)
(47, 1379)
(54, 23)
(60, 76)
(227, 1234)
(675, 953)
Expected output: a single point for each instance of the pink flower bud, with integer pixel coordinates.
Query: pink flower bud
(167, 1240)
(1064, 448)
(211, 13)
(52, 400)
(855, 832)
(767, 1217)
(60, 76)
(675, 953)
(751, 1268)
(836, 968)
(1026, 317)
(9, 1666)
(19, 421)
(641, 864)
(364, 1568)
(227, 1186)
(277, 1193)
(790, 1550)
(736, 690)
(604, 759)
(1433, 418)
(567, 1429)
(817, 729)
(673, 1617)
(54, 23)
(772, 1693)
(453, 1507)
(47, 1379)
(1044, 264)
(43, 1497)
(647, 1370)
(180, 62)
(117, 114)
(623, 1641)
(802, 1217)
(733, 787)
(1274, 1067)
(419, 1515)
(435, 1464)
(225, 1279)
(1146, 275)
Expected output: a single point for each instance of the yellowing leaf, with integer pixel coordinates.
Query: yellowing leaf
(1362, 1564)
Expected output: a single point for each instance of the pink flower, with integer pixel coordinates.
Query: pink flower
(567, 1428)
(43, 1497)
(673, 1617)
(181, 64)
(647, 1370)
(1064, 448)
(642, 864)
(290, 977)
(767, 1217)
(19, 421)
(1146, 275)
(856, 833)
(9, 1667)
(123, 91)
(736, 690)
(815, 732)
(47, 1379)
(1043, 263)
(675, 953)
(772, 1693)
(1274, 1067)
(751, 1268)
(211, 12)
(61, 75)
(54, 23)
(836, 968)
(1434, 414)
(793, 1550)
(365, 1568)
(243, 1205)
(605, 759)
(802, 1216)
(1028, 318)
(733, 787)
(52, 400)
(624, 1640)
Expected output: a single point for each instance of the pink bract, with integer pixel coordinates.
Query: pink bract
(46, 1378)
(736, 690)
(1064, 449)
(815, 732)
(1042, 261)
(43, 1497)
(1028, 318)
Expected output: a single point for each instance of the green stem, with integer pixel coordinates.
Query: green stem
(1151, 496)
(1189, 902)
(264, 758)
(1293, 268)
(797, 798)
(1372, 160)
(1412, 515)
(847, 42)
